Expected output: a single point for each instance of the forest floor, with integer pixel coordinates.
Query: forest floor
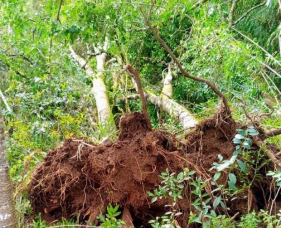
(82, 178)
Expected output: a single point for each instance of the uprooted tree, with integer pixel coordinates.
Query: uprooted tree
(122, 172)
(118, 52)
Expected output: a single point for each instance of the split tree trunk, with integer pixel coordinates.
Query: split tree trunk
(167, 104)
(7, 211)
(99, 88)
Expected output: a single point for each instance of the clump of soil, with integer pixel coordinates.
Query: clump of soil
(82, 178)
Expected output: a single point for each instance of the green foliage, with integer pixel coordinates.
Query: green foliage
(39, 223)
(110, 220)
(220, 221)
(250, 220)
(243, 142)
(171, 187)
(202, 203)
(260, 24)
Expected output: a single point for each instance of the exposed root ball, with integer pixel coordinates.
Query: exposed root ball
(82, 178)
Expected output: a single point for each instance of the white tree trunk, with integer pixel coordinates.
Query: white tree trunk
(7, 212)
(99, 88)
(168, 105)
(176, 110)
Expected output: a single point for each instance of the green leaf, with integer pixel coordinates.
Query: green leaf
(180, 186)
(252, 131)
(149, 193)
(242, 166)
(239, 136)
(232, 186)
(241, 131)
(216, 176)
(154, 199)
(180, 176)
(216, 201)
(236, 141)
(223, 205)
(246, 145)
(232, 178)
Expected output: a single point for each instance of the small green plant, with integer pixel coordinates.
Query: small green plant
(250, 220)
(205, 209)
(110, 220)
(171, 187)
(271, 221)
(201, 204)
(243, 143)
(38, 222)
(220, 221)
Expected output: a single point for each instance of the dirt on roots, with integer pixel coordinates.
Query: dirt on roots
(82, 178)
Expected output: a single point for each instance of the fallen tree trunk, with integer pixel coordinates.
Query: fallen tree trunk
(176, 110)
(165, 102)
(99, 89)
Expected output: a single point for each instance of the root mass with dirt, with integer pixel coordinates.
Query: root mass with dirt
(80, 178)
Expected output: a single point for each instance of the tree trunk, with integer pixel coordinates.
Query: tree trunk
(99, 88)
(167, 104)
(7, 211)
(176, 110)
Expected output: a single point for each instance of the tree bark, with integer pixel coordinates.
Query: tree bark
(176, 110)
(7, 211)
(99, 89)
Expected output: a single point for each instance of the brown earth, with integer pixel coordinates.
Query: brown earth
(82, 178)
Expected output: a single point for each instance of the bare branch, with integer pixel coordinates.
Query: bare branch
(136, 77)
(248, 12)
(150, 9)
(272, 133)
(198, 4)
(183, 71)
(58, 14)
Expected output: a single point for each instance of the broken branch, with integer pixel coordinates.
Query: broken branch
(183, 71)
(248, 12)
(136, 77)
(272, 133)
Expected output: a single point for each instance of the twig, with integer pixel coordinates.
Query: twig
(183, 71)
(248, 11)
(150, 8)
(198, 4)
(273, 201)
(234, 216)
(5, 101)
(58, 14)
